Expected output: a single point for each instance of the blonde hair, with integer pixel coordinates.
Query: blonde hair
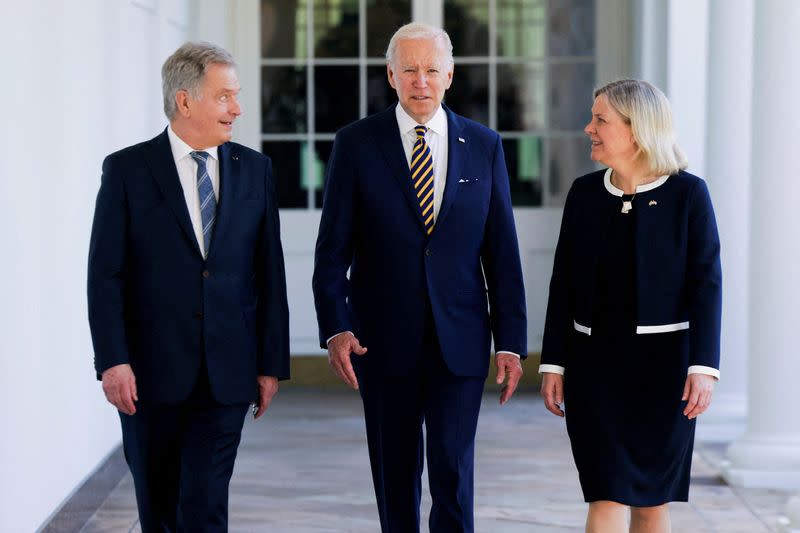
(646, 110)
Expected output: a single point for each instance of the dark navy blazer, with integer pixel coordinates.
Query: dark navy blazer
(155, 303)
(371, 225)
(678, 280)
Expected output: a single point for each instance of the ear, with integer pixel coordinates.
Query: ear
(449, 78)
(182, 102)
(390, 75)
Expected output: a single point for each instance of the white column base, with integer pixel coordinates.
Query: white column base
(725, 420)
(791, 522)
(763, 462)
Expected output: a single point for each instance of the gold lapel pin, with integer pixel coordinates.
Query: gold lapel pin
(652, 202)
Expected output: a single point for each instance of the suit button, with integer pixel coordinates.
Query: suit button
(198, 315)
(205, 273)
(428, 252)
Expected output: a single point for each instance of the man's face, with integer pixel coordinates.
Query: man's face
(210, 117)
(420, 73)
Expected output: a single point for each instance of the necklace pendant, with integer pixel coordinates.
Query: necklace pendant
(627, 205)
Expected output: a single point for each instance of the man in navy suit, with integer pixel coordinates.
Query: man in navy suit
(417, 208)
(187, 295)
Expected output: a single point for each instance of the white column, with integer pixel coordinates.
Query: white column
(687, 70)
(768, 455)
(730, 74)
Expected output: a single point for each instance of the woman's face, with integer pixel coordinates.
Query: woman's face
(612, 139)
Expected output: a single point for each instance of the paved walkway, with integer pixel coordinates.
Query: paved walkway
(304, 468)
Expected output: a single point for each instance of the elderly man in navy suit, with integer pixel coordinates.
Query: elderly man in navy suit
(417, 209)
(187, 295)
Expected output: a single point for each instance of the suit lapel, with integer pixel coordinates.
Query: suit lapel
(457, 144)
(391, 146)
(162, 167)
(228, 181)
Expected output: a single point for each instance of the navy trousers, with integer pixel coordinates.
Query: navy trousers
(181, 458)
(395, 409)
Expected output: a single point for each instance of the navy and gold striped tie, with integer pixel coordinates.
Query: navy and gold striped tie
(422, 177)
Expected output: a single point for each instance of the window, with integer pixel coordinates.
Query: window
(523, 67)
(529, 71)
(322, 67)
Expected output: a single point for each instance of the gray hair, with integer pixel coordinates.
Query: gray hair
(418, 30)
(646, 110)
(185, 68)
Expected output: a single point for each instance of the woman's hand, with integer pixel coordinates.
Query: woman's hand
(553, 392)
(698, 391)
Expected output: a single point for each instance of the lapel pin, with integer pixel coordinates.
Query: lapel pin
(235, 157)
(461, 140)
(652, 202)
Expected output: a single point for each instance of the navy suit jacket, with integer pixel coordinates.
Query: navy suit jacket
(371, 225)
(157, 304)
(678, 275)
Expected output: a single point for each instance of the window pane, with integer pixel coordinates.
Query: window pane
(324, 149)
(569, 159)
(467, 23)
(524, 162)
(283, 99)
(335, 97)
(521, 28)
(283, 28)
(384, 17)
(380, 94)
(570, 25)
(286, 167)
(469, 93)
(571, 88)
(336, 28)
(521, 96)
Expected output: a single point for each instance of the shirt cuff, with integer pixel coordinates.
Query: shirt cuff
(551, 369)
(510, 353)
(327, 342)
(707, 370)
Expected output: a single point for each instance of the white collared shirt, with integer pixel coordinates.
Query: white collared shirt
(187, 172)
(436, 138)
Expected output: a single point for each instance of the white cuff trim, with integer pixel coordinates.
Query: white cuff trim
(552, 369)
(327, 342)
(707, 370)
(509, 353)
(582, 328)
(664, 328)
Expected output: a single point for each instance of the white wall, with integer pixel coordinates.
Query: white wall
(80, 79)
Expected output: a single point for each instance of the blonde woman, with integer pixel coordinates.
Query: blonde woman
(631, 342)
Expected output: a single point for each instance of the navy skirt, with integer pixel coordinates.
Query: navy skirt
(629, 437)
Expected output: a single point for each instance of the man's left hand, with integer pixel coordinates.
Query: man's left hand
(267, 388)
(508, 366)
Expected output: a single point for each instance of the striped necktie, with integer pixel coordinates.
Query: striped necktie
(422, 177)
(208, 203)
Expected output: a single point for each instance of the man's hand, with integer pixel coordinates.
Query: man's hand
(119, 386)
(267, 388)
(508, 365)
(698, 391)
(553, 392)
(339, 349)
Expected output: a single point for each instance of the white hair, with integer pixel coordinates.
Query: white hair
(418, 30)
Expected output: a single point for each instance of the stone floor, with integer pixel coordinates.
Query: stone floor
(304, 468)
